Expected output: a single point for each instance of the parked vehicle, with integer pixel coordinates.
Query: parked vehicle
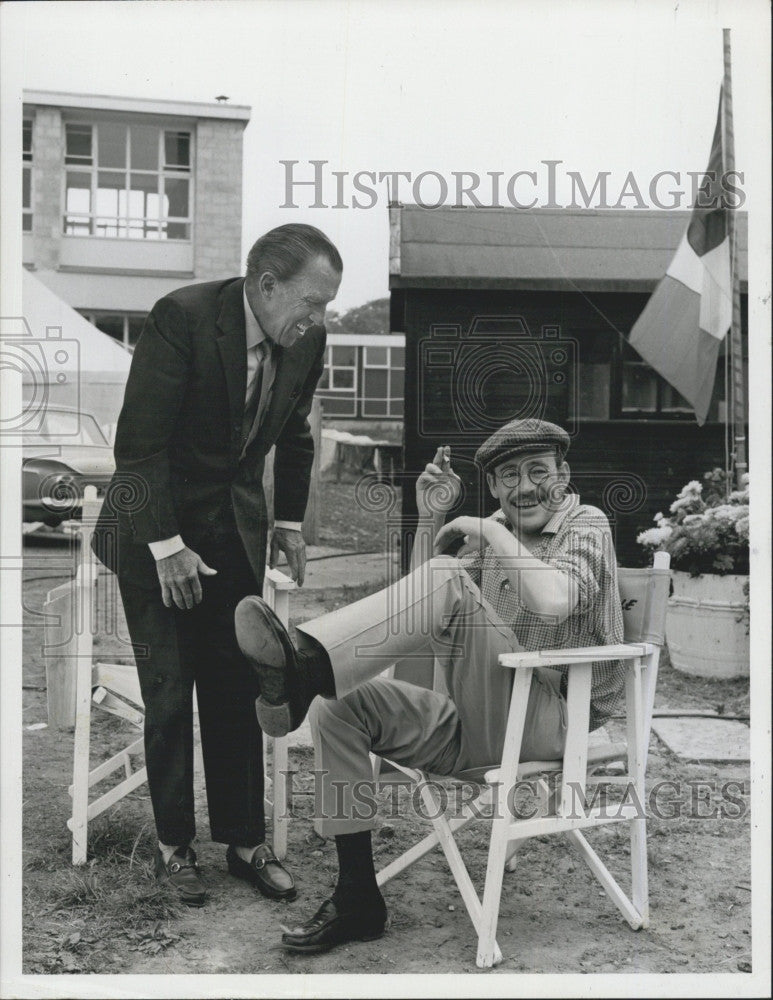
(68, 452)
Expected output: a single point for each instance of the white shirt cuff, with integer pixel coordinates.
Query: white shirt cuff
(292, 525)
(166, 547)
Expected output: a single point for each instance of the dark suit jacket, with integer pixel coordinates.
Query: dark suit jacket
(178, 446)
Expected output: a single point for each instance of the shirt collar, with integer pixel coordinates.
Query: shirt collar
(255, 334)
(568, 504)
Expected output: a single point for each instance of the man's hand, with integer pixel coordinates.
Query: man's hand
(178, 575)
(472, 529)
(292, 544)
(438, 488)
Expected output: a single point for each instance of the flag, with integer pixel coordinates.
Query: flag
(689, 313)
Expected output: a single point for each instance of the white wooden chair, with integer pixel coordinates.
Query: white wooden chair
(115, 688)
(565, 809)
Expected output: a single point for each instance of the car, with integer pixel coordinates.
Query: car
(66, 453)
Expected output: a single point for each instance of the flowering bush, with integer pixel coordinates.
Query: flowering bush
(708, 531)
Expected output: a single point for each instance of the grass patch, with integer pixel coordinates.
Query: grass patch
(77, 918)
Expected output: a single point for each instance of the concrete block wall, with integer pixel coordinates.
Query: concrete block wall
(47, 186)
(217, 204)
(218, 200)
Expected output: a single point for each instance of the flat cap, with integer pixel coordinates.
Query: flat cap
(521, 436)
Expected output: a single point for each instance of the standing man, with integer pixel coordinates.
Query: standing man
(223, 371)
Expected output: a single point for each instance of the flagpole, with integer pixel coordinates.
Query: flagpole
(737, 403)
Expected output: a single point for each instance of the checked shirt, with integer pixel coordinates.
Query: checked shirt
(578, 541)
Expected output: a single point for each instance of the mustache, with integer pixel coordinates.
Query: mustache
(550, 496)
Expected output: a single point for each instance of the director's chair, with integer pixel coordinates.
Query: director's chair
(564, 809)
(115, 688)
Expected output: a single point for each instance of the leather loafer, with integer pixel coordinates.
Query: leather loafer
(328, 927)
(183, 873)
(264, 872)
(268, 648)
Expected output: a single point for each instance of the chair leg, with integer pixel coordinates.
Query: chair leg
(492, 893)
(639, 880)
(280, 798)
(500, 825)
(607, 881)
(511, 859)
(459, 870)
(638, 738)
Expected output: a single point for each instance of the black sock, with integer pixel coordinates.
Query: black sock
(356, 886)
(315, 671)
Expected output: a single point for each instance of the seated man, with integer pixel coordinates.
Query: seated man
(539, 573)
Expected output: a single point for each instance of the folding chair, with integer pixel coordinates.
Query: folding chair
(114, 686)
(564, 809)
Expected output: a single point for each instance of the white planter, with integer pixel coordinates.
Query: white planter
(706, 626)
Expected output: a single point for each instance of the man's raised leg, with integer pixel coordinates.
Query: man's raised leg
(347, 647)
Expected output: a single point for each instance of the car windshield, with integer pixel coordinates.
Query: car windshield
(68, 427)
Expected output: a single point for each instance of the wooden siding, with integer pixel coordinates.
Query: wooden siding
(629, 468)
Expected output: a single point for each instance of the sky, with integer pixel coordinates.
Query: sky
(604, 85)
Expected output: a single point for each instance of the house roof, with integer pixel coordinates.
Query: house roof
(140, 105)
(538, 249)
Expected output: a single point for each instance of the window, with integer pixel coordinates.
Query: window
(644, 392)
(338, 385)
(123, 327)
(26, 156)
(127, 180)
(382, 381)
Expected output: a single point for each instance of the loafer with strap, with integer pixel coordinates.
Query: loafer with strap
(264, 871)
(330, 927)
(182, 872)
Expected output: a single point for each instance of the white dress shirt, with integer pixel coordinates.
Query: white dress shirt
(255, 357)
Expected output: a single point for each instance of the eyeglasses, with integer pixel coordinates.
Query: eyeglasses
(512, 477)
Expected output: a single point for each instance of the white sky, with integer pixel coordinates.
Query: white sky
(413, 86)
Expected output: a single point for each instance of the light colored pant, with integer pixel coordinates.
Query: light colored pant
(436, 609)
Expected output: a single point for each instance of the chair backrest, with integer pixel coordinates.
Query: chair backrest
(644, 598)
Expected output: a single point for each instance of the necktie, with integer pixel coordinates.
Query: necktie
(253, 400)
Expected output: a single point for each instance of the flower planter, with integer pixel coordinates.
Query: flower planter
(707, 629)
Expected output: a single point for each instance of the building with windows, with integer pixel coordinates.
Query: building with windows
(125, 199)
(363, 377)
(511, 313)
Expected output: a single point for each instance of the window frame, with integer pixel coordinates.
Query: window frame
(27, 212)
(390, 401)
(93, 315)
(620, 365)
(126, 226)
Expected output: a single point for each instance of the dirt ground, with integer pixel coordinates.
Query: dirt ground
(111, 917)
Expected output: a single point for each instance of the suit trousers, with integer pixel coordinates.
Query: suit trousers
(175, 649)
(437, 609)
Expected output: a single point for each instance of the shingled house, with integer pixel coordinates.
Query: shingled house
(512, 313)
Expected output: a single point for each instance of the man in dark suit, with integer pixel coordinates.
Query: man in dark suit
(223, 371)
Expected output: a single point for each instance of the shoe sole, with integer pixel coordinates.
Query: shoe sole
(316, 949)
(275, 720)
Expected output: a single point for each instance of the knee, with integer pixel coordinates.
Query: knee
(325, 714)
(166, 704)
(332, 718)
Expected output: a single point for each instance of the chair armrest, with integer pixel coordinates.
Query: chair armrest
(585, 654)
(279, 581)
